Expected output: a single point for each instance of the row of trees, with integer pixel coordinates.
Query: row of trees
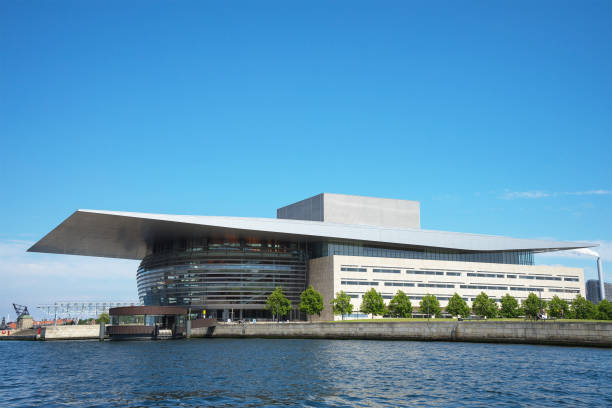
(374, 304)
(311, 303)
(578, 308)
(483, 305)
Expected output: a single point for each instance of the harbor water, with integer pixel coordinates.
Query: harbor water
(317, 373)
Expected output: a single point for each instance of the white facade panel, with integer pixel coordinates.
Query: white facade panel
(356, 275)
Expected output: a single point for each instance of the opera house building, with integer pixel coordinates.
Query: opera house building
(228, 266)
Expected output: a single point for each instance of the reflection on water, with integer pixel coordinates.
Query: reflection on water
(255, 372)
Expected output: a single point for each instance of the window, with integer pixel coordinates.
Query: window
(453, 273)
(525, 289)
(347, 269)
(409, 284)
(387, 271)
(426, 272)
(485, 275)
(361, 283)
(435, 285)
(549, 278)
(571, 279)
(481, 287)
(355, 248)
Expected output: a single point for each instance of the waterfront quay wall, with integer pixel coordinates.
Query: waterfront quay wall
(77, 332)
(542, 332)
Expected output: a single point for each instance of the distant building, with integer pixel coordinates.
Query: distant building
(592, 291)
(25, 322)
(226, 267)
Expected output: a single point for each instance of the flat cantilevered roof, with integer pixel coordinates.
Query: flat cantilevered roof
(117, 234)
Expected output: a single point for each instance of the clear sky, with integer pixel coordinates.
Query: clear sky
(496, 116)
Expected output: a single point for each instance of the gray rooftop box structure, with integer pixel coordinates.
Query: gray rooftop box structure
(356, 210)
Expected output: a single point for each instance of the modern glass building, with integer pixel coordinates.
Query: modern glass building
(228, 277)
(227, 266)
(592, 291)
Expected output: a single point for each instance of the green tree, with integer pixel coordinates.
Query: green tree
(341, 304)
(484, 306)
(430, 306)
(311, 302)
(400, 305)
(457, 306)
(604, 310)
(532, 305)
(558, 307)
(103, 318)
(278, 303)
(581, 308)
(373, 303)
(509, 306)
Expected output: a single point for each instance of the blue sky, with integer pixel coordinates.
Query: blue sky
(496, 116)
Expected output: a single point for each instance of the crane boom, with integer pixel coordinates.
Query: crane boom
(20, 310)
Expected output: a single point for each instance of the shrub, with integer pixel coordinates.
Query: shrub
(430, 306)
(278, 304)
(373, 303)
(311, 302)
(457, 306)
(400, 305)
(558, 307)
(604, 310)
(509, 306)
(532, 305)
(581, 308)
(484, 306)
(341, 304)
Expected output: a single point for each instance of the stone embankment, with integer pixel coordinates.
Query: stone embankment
(77, 332)
(82, 332)
(551, 333)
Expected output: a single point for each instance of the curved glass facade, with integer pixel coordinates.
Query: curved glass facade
(232, 277)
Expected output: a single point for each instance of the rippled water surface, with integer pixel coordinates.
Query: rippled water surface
(256, 372)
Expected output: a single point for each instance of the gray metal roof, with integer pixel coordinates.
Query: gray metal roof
(117, 234)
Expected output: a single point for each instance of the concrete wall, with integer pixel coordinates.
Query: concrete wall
(321, 277)
(81, 332)
(310, 209)
(349, 209)
(552, 333)
(382, 212)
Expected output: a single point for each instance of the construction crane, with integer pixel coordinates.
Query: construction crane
(20, 310)
(80, 309)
